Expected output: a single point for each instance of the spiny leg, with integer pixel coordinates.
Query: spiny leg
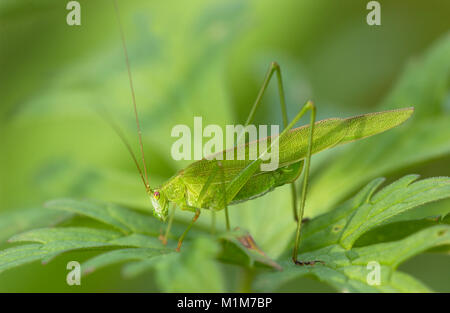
(200, 198)
(242, 178)
(224, 192)
(194, 219)
(275, 68)
(312, 108)
(164, 237)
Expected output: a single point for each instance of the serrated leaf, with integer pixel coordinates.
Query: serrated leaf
(122, 255)
(79, 234)
(396, 230)
(16, 256)
(398, 197)
(192, 270)
(367, 210)
(18, 221)
(123, 219)
(394, 253)
(134, 269)
(347, 270)
(54, 241)
(142, 241)
(328, 238)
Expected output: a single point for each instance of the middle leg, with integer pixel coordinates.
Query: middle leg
(194, 219)
(274, 68)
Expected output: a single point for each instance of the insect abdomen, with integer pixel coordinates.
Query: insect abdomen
(265, 182)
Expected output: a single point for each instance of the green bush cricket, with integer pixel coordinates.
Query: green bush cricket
(214, 182)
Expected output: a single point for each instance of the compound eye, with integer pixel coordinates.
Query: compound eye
(156, 195)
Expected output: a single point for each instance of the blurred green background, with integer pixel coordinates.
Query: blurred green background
(208, 58)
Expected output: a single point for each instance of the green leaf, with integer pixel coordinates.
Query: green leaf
(347, 270)
(51, 242)
(394, 253)
(142, 241)
(396, 230)
(129, 245)
(16, 256)
(118, 217)
(194, 269)
(394, 199)
(75, 234)
(349, 221)
(330, 238)
(122, 255)
(54, 241)
(18, 221)
(134, 269)
(327, 228)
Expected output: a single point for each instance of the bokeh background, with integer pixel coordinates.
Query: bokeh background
(208, 58)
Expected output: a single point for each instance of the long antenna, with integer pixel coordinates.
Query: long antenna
(121, 135)
(116, 7)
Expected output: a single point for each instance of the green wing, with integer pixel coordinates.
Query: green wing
(333, 132)
(292, 148)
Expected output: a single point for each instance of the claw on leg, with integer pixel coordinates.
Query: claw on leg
(163, 239)
(194, 219)
(312, 263)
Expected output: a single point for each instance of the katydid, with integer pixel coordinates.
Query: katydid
(213, 183)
